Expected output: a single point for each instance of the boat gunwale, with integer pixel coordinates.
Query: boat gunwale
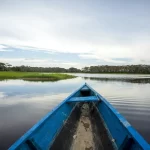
(41, 121)
(133, 133)
(108, 132)
(62, 127)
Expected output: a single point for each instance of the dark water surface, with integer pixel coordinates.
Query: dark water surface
(23, 103)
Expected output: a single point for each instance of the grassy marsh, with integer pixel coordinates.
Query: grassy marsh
(34, 76)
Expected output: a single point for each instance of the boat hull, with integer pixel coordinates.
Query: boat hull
(84, 120)
(84, 129)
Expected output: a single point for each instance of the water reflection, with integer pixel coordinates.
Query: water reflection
(137, 76)
(23, 103)
(132, 80)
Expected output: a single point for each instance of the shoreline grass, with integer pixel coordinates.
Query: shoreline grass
(34, 76)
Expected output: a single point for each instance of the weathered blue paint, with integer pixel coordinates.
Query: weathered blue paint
(84, 99)
(119, 127)
(47, 126)
(44, 132)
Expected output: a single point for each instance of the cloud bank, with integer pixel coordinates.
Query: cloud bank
(78, 33)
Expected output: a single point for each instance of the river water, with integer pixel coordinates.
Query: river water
(23, 103)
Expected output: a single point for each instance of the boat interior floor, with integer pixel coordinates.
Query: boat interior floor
(83, 130)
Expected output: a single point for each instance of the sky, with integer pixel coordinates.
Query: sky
(68, 33)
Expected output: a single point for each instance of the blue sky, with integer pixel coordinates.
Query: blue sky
(77, 33)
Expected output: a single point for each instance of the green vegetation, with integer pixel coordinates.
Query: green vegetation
(34, 76)
(8, 67)
(134, 69)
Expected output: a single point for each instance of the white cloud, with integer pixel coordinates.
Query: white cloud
(89, 56)
(40, 62)
(24, 60)
(95, 31)
(3, 49)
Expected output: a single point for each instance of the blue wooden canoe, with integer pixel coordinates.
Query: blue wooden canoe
(84, 120)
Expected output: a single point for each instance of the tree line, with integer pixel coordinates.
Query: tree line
(92, 69)
(8, 67)
(118, 69)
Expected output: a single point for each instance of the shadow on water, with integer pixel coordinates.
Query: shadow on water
(131, 80)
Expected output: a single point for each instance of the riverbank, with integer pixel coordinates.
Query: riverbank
(34, 76)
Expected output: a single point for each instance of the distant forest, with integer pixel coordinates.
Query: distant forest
(145, 69)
